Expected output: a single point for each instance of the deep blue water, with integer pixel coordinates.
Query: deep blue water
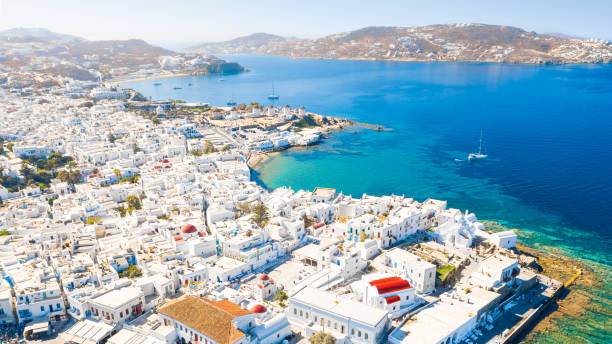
(547, 130)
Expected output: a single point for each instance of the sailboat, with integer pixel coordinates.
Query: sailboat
(479, 155)
(231, 102)
(273, 95)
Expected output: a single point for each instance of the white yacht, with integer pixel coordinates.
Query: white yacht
(479, 155)
(273, 95)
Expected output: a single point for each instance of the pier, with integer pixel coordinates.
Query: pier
(527, 312)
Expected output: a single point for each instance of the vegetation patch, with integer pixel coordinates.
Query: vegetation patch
(306, 122)
(131, 272)
(444, 271)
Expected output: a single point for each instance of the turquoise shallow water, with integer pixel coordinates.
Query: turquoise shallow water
(547, 130)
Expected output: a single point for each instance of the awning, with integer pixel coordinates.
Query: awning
(37, 328)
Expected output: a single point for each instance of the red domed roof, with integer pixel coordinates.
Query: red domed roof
(188, 229)
(202, 234)
(263, 277)
(165, 161)
(178, 238)
(258, 309)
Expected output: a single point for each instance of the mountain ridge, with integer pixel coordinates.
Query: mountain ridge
(42, 50)
(440, 42)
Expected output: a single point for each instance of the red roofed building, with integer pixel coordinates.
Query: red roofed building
(198, 320)
(263, 287)
(391, 293)
(189, 229)
(258, 309)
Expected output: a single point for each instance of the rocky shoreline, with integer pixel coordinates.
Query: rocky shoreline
(583, 280)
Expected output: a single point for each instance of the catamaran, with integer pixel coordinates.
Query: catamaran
(479, 155)
(273, 95)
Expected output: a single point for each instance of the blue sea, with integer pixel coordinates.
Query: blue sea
(547, 131)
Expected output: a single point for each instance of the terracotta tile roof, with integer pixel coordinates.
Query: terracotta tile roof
(211, 318)
(229, 307)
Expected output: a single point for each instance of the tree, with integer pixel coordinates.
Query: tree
(156, 120)
(111, 138)
(10, 145)
(71, 177)
(131, 272)
(209, 148)
(322, 338)
(121, 211)
(25, 170)
(260, 216)
(226, 148)
(133, 202)
(362, 237)
(92, 220)
(74, 177)
(244, 207)
(281, 296)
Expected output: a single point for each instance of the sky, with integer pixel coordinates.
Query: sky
(179, 23)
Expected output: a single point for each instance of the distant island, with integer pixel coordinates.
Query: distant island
(452, 42)
(26, 50)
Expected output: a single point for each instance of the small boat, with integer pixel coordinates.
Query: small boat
(189, 84)
(231, 102)
(273, 96)
(177, 88)
(458, 160)
(156, 83)
(479, 155)
(221, 79)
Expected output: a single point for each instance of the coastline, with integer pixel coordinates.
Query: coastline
(145, 78)
(160, 76)
(259, 158)
(582, 279)
(575, 303)
(425, 60)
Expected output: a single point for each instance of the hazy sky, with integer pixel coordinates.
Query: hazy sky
(173, 23)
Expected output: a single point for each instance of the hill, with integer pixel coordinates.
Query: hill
(450, 42)
(34, 34)
(244, 43)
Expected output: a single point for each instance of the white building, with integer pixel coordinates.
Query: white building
(506, 239)
(420, 273)
(391, 293)
(313, 310)
(6, 304)
(201, 320)
(494, 271)
(117, 305)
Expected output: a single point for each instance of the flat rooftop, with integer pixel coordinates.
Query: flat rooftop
(324, 192)
(227, 263)
(118, 297)
(433, 324)
(87, 331)
(331, 302)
